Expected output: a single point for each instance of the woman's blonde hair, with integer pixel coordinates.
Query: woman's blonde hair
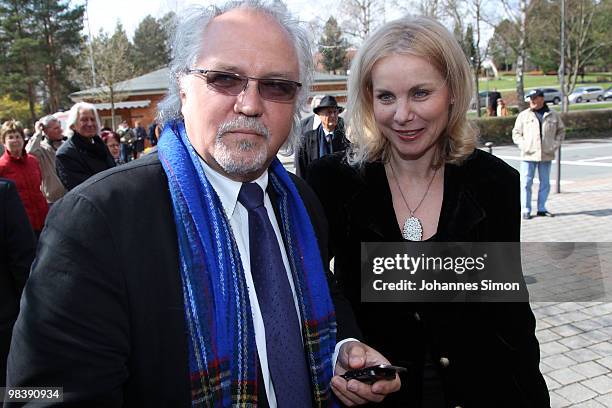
(415, 36)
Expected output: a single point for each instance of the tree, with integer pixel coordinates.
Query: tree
(40, 41)
(111, 55)
(469, 48)
(519, 17)
(150, 50)
(333, 47)
(18, 110)
(470, 11)
(431, 8)
(476, 8)
(502, 54)
(168, 23)
(587, 37)
(363, 16)
(59, 27)
(22, 52)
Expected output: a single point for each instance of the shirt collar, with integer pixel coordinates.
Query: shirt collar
(326, 132)
(228, 189)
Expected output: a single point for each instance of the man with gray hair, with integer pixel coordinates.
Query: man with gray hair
(84, 153)
(235, 306)
(44, 144)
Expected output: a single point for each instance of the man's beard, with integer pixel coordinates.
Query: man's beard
(231, 157)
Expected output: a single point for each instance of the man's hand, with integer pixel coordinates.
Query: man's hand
(353, 355)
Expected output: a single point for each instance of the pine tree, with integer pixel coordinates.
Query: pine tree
(59, 27)
(333, 47)
(150, 50)
(18, 67)
(39, 41)
(468, 45)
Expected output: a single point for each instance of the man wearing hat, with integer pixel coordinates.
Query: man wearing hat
(538, 132)
(326, 139)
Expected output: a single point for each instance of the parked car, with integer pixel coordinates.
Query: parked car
(608, 94)
(551, 95)
(586, 93)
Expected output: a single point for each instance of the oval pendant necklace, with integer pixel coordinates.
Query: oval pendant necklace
(413, 228)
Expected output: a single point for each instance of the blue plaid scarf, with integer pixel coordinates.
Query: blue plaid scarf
(222, 352)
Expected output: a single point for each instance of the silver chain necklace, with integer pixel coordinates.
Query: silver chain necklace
(413, 228)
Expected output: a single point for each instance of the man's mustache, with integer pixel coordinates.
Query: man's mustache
(243, 123)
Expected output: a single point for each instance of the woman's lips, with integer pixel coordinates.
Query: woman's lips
(410, 134)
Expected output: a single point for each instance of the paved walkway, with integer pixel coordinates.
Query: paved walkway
(576, 337)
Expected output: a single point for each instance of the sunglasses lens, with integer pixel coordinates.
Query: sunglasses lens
(226, 82)
(277, 90)
(271, 89)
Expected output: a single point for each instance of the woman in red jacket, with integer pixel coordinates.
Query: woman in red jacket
(23, 169)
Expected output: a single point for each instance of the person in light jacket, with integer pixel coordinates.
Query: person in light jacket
(538, 132)
(43, 145)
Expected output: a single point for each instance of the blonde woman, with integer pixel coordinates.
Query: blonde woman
(414, 174)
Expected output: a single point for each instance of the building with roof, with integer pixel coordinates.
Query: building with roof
(137, 98)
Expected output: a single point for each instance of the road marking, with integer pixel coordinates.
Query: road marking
(566, 147)
(596, 159)
(568, 162)
(553, 181)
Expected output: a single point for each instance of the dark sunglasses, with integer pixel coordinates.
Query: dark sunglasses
(229, 83)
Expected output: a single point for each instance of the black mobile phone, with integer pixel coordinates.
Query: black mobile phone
(370, 375)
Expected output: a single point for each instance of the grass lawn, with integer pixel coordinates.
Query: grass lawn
(508, 83)
(583, 106)
(573, 107)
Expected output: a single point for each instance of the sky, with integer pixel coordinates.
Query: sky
(105, 13)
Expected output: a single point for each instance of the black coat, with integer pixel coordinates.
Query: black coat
(104, 319)
(17, 250)
(308, 149)
(486, 355)
(78, 159)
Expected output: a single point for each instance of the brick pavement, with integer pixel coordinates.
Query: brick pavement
(576, 337)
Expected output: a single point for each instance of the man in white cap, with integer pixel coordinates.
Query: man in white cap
(538, 132)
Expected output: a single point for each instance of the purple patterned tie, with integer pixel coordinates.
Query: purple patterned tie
(286, 354)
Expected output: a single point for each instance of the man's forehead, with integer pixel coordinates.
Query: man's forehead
(241, 38)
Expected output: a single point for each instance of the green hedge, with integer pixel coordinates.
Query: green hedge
(578, 124)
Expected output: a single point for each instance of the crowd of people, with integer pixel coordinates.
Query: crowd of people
(236, 305)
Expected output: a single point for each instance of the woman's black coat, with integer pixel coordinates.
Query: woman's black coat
(486, 354)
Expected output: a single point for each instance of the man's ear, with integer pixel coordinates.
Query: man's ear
(182, 93)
